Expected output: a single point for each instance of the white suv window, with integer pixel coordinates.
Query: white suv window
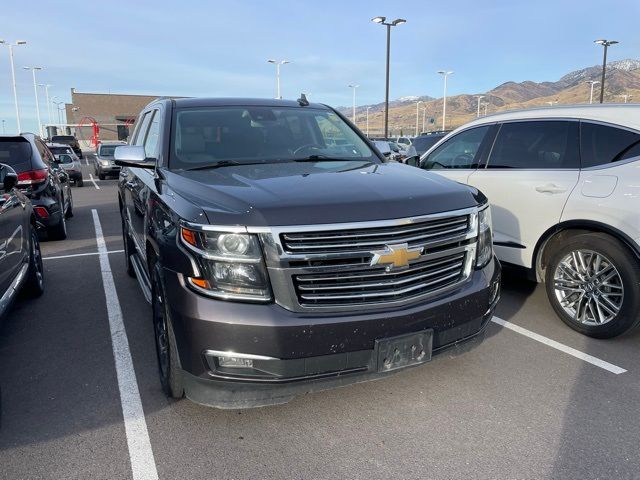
(545, 145)
(460, 151)
(603, 144)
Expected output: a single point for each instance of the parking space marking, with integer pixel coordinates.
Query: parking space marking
(93, 180)
(559, 346)
(143, 464)
(56, 257)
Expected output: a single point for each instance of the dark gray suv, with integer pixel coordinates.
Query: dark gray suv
(282, 254)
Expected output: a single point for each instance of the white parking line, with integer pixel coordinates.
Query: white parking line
(143, 464)
(56, 257)
(559, 346)
(86, 160)
(94, 181)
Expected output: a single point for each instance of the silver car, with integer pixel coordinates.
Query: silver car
(68, 161)
(104, 162)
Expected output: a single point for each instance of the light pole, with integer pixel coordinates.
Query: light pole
(592, 83)
(353, 104)
(57, 104)
(424, 117)
(479, 97)
(35, 91)
(552, 103)
(395, 23)
(277, 63)
(46, 92)
(606, 44)
(417, 115)
(626, 97)
(368, 108)
(445, 74)
(13, 77)
(485, 105)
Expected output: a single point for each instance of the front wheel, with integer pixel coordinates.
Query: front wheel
(167, 352)
(592, 282)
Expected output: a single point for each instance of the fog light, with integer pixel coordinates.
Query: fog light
(235, 362)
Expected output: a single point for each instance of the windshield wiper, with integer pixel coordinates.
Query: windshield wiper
(323, 158)
(221, 163)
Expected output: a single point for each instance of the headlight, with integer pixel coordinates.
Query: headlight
(104, 163)
(485, 238)
(231, 264)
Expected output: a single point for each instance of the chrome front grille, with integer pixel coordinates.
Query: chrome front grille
(328, 268)
(441, 230)
(376, 285)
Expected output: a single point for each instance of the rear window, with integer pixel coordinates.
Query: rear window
(64, 138)
(16, 152)
(602, 144)
(59, 150)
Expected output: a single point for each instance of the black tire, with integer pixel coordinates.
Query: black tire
(129, 247)
(615, 301)
(34, 285)
(59, 230)
(80, 182)
(101, 176)
(166, 349)
(69, 212)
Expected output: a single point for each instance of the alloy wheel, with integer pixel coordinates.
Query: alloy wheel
(588, 286)
(37, 257)
(160, 328)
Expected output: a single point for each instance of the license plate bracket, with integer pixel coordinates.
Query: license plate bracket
(404, 350)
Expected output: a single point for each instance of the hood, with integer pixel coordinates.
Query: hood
(317, 193)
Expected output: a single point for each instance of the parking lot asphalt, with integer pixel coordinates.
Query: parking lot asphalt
(515, 407)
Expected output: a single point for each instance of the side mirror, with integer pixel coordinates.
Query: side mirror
(414, 161)
(8, 178)
(132, 156)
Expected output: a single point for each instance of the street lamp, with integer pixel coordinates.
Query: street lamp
(46, 91)
(606, 44)
(479, 97)
(592, 83)
(485, 105)
(424, 117)
(57, 104)
(626, 97)
(277, 63)
(35, 91)
(13, 77)
(353, 104)
(445, 74)
(417, 115)
(368, 108)
(395, 23)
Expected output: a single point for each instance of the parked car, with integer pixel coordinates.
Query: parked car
(68, 140)
(68, 161)
(104, 164)
(424, 142)
(389, 149)
(563, 185)
(404, 142)
(20, 258)
(41, 179)
(277, 263)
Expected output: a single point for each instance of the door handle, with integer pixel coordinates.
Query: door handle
(551, 188)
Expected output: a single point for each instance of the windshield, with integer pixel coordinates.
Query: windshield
(422, 144)
(204, 136)
(107, 150)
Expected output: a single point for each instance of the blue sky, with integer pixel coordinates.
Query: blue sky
(220, 48)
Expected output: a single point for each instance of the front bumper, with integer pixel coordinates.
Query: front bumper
(109, 169)
(312, 352)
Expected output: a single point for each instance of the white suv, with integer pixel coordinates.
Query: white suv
(564, 187)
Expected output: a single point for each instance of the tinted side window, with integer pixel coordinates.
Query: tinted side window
(151, 144)
(45, 155)
(542, 145)
(140, 134)
(460, 151)
(602, 144)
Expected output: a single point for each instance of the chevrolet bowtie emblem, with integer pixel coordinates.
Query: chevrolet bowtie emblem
(395, 256)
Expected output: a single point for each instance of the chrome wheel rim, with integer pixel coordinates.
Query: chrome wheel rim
(588, 287)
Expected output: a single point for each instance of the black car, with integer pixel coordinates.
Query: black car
(424, 142)
(68, 140)
(20, 259)
(42, 179)
(279, 262)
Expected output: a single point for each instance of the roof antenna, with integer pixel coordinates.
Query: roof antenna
(302, 101)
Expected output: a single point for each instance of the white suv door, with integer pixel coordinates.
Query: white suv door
(531, 170)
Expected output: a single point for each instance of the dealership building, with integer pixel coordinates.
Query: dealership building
(113, 114)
